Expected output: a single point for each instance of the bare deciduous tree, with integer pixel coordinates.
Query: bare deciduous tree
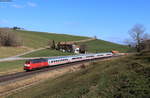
(136, 34)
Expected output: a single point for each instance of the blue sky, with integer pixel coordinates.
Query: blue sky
(107, 19)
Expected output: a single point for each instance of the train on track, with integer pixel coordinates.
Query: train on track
(46, 62)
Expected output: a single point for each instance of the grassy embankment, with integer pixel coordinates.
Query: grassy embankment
(11, 67)
(126, 77)
(33, 40)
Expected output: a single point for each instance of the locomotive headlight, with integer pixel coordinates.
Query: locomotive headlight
(26, 65)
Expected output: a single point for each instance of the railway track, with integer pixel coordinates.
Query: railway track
(11, 77)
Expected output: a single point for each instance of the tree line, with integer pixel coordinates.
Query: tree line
(9, 38)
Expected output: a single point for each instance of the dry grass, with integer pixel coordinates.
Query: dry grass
(11, 51)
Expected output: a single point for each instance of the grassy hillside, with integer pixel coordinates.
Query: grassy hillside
(126, 77)
(104, 46)
(33, 40)
(40, 39)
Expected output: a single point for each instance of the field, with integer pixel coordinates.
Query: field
(125, 77)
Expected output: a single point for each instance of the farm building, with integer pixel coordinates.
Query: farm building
(70, 47)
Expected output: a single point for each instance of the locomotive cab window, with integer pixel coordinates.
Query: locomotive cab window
(27, 62)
